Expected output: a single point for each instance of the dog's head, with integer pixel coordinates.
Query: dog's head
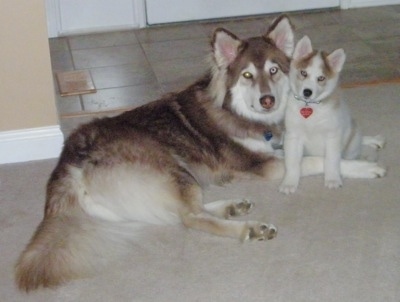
(253, 73)
(314, 74)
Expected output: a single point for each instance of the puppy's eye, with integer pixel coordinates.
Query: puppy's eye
(273, 70)
(247, 75)
(321, 78)
(303, 73)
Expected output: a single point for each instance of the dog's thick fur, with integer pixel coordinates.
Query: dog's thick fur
(150, 165)
(326, 127)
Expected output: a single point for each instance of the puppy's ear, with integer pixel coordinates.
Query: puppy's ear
(303, 48)
(336, 60)
(225, 47)
(281, 32)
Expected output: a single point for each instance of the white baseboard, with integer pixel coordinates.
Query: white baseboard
(30, 144)
(367, 3)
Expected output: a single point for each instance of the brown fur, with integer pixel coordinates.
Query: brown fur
(181, 142)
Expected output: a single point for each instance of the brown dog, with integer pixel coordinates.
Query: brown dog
(150, 165)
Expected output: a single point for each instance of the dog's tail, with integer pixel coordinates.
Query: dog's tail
(69, 244)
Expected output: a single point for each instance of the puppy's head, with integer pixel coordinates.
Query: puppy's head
(314, 74)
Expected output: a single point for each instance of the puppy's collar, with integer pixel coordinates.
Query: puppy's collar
(306, 101)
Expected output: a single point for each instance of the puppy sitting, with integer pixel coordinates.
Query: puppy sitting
(317, 119)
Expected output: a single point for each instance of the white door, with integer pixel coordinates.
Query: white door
(164, 11)
(66, 17)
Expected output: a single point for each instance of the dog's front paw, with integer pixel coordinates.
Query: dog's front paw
(259, 231)
(239, 208)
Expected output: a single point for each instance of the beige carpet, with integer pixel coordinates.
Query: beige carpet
(333, 245)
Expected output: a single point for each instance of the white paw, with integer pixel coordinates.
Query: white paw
(376, 142)
(373, 170)
(288, 186)
(378, 172)
(333, 183)
(287, 189)
(363, 169)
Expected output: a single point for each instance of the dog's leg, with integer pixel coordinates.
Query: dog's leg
(229, 208)
(243, 230)
(194, 215)
(314, 165)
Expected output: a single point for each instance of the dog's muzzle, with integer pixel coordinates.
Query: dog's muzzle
(267, 101)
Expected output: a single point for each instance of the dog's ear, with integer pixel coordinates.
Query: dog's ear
(303, 48)
(225, 46)
(281, 32)
(336, 60)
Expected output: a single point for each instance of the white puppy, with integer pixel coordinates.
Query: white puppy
(317, 119)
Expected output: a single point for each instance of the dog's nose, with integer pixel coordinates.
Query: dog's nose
(307, 92)
(267, 101)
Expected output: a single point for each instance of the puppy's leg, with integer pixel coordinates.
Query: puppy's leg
(333, 179)
(229, 208)
(195, 216)
(293, 170)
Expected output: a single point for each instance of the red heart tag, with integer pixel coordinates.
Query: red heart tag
(306, 111)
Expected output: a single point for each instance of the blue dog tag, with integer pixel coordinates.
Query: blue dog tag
(268, 135)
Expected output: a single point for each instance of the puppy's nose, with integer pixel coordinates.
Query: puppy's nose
(307, 92)
(267, 101)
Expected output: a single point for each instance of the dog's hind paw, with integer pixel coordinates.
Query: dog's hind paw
(258, 231)
(361, 169)
(373, 170)
(379, 172)
(376, 142)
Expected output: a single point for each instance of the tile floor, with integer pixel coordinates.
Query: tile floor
(130, 68)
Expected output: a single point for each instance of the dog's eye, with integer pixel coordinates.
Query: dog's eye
(273, 70)
(321, 79)
(247, 75)
(303, 73)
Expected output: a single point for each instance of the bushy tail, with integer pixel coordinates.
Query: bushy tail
(70, 247)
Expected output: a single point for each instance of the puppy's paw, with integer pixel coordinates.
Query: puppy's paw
(288, 186)
(362, 169)
(258, 231)
(239, 208)
(379, 171)
(333, 183)
(287, 189)
(373, 170)
(376, 142)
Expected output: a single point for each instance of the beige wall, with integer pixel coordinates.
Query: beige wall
(26, 86)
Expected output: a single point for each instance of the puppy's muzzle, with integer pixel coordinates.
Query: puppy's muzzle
(267, 101)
